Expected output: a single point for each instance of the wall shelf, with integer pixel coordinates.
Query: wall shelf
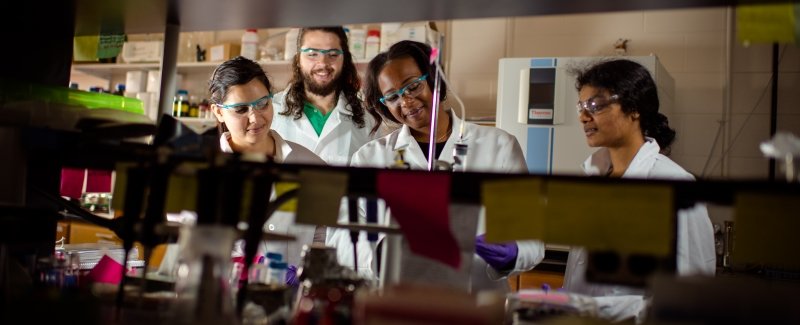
(105, 70)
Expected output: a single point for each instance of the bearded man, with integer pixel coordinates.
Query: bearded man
(321, 108)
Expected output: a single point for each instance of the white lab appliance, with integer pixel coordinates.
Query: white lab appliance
(536, 100)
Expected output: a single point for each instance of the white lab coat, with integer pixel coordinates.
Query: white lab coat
(695, 247)
(280, 222)
(490, 150)
(340, 137)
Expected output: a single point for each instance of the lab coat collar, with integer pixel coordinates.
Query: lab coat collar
(414, 155)
(282, 148)
(341, 112)
(599, 163)
(643, 162)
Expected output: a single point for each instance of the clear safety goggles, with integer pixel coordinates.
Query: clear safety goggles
(596, 104)
(244, 108)
(317, 54)
(412, 89)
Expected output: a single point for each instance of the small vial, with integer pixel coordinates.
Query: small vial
(460, 157)
(277, 273)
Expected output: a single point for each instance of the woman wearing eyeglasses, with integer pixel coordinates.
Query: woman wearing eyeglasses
(241, 96)
(618, 109)
(399, 85)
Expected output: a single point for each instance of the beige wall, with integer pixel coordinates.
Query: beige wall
(692, 45)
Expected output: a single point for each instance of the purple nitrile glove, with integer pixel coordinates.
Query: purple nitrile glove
(501, 257)
(291, 276)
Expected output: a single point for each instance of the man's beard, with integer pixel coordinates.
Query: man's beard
(321, 90)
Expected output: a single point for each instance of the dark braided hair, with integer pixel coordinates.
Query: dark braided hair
(637, 93)
(420, 53)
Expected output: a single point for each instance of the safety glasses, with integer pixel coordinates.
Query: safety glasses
(412, 89)
(244, 108)
(596, 104)
(317, 54)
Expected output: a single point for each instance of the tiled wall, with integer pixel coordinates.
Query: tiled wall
(691, 44)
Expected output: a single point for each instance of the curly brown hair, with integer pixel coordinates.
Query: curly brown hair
(349, 82)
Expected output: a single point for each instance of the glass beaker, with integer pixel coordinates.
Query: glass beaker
(202, 279)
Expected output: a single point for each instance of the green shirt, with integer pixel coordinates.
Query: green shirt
(316, 117)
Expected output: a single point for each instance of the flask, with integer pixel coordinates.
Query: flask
(373, 44)
(250, 44)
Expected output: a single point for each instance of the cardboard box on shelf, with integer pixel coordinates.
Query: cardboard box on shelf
(136, 81)
(223, 52)
(147, 51)
(424, 32)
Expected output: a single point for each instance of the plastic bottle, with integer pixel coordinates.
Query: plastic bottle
(373, 44)
(357, 39)
(250, 44)
(259, 272)
(277, 272)
(181, 106)
(120, 89)
(291, 44)
(205, 109)
(194, 106)
(186, 53)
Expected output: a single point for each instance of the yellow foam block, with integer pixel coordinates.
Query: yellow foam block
(320, 196)
(621, 217)
(514, 209)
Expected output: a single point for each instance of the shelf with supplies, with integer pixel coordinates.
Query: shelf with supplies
(105, 70)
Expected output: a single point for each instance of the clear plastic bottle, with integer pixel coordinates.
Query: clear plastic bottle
(372, 44)
(250, 44)
(186, 52)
